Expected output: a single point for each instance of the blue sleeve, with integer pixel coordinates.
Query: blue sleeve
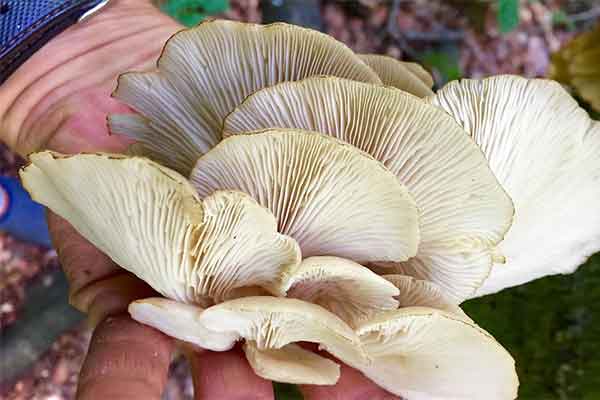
(23, 218)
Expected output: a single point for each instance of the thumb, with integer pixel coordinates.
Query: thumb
(126, 360)
(97, 286)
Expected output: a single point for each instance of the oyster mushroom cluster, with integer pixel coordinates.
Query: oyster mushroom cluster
(283, 189)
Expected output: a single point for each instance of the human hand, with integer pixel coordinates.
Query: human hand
(59, 100)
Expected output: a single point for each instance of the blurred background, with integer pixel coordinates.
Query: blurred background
(550, 326)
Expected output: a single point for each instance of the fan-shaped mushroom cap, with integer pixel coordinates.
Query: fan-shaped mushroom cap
(347, 289)
(463, 210)
(426, 354)
(274, 322)
(291, 364)
(399, 75)
(418, 293)
(180, 321)
(545, 151)
(331, 197)
(420, 72)
(151, 222)
(204, 72)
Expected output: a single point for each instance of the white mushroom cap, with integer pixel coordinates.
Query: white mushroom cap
(270, 326)
(291, 364)
(151, 222)
(329, 196)
(426, 354)
(410, 77)
(420, 72)
(418, 293)
(464, 212)
(206, 71)
(274, 322)
(180, 321)
(347, 289)
(545, 151)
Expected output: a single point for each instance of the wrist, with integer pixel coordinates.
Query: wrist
(78, 69)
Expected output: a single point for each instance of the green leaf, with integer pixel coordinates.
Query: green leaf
(191, 12)
(444, 61)
(508, 15)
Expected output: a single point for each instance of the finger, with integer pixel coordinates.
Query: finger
(352, 385)
(226, 375)
(97, 285)
(126, 360)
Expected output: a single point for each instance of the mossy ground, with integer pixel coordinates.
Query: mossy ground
(552, 329)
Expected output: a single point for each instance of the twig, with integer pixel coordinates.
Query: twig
(442, 35)
(393, 31)
(585, 16)
(402, 38)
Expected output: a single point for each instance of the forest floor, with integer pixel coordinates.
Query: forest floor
(554, 349)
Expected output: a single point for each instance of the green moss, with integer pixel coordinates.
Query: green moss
(552, 328)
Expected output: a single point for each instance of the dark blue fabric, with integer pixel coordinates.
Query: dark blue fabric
(26, 25)
(17, 16)
(24, 219)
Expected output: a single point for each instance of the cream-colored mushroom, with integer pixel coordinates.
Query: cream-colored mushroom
(410, 77)
(270, 324)
(204, 72)
(151, 222)
(420, 72)
(329, 196)
(545, 151)
(291, 364)
(347, 289)
(419, 293)
(427, 354)
(464, 212)
(180, 321)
